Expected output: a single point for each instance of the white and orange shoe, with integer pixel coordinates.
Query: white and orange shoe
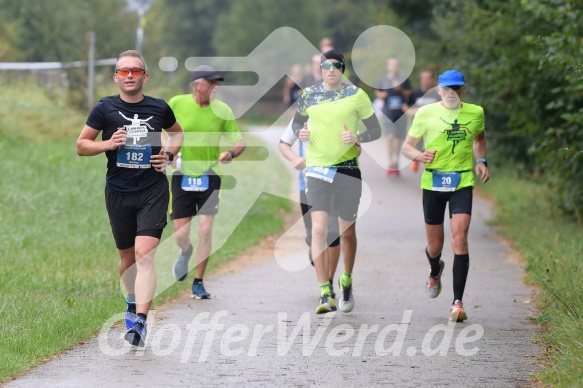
(457, 312)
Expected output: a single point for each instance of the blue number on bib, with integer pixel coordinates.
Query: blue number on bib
(445, 181)
(323, 173)
(195, 184)
(134, 156)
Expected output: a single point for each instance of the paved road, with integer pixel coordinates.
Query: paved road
(260, 328)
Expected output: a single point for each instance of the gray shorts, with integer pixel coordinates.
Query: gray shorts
(346, 190)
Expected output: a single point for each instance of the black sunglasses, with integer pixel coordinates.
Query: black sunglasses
(328, 65)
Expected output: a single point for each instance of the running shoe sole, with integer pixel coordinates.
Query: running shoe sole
(458, 316)
(193, 296)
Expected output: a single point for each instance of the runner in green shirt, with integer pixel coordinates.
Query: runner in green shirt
(453, 134)
(334, 109)
(196, 187)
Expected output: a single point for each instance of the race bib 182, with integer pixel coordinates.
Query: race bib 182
(134, 156)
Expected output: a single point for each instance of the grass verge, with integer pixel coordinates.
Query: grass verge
(552, 247)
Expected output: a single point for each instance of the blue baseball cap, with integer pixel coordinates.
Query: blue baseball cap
(451, 78)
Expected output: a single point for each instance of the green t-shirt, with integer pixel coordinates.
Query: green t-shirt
(328, 112)
(203, 128)
(451, 133)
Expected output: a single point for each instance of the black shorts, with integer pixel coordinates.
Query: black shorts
(333, 226)
(139, 214)
(346, 189)
(190, 203)
(434, 202)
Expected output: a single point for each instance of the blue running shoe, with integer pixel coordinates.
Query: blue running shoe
(137, 334)
(131, 316)
(198, 291)
(181, 265)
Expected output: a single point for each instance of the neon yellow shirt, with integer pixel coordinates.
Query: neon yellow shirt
(203, 129)
(328, 112)
(451, 133)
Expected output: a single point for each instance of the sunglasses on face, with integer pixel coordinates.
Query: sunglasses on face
(125, 71)
(454, 87)
(328, 65)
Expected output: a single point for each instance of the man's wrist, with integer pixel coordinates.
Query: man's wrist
(482, 160)
(233, 154)
(170, 156)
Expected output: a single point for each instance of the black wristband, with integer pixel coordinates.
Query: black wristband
(233, 154)
(170, 156)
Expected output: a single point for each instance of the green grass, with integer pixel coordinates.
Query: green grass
(552, 247)
(59, 280)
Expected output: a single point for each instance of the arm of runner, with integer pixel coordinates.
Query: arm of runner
(480, 153)
(172, 145)
(298, 123)
(175, 139)
(410, 152)
(298, 162)
(228, 156)
(88, 146)
(373, 130)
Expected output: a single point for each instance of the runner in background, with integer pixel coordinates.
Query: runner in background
(196, 187)
(425, 94)
(394, 89)
(332, 253)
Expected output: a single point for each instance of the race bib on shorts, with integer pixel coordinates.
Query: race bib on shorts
(195, 184)
(323, 173)
(445, 181)
(134, 156)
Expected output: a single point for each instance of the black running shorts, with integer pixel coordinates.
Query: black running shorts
(138, 214)
(434, 202)
(190, 203)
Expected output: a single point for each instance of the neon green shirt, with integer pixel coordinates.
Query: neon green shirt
(328, 112)
(451, 133)
(203, 129)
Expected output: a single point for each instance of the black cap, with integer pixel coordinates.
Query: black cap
(333, 54)
(207, 72)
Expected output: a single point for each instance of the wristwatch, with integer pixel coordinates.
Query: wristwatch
(233, 154)
(170, 156)
(483, 160)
